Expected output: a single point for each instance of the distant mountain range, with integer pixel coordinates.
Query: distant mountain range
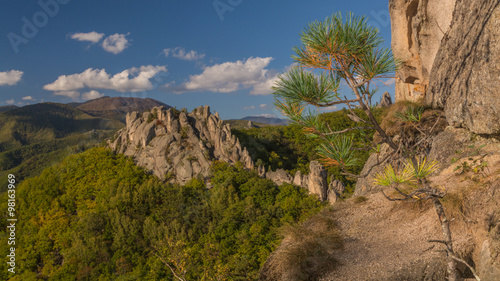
(117, 107)
(267, 120)
(35, 136)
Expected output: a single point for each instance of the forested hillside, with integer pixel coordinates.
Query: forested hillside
(97, 216)
(288, 147)
(36, 136)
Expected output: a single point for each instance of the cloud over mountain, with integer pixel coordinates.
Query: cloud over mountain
(129, 80)
(230, 77)
(11, 77)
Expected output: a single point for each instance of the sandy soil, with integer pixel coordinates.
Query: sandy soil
(386, 240)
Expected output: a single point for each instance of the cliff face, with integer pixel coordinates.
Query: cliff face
(466, 73)
(417, 29)
(450, 51)
(177, 146)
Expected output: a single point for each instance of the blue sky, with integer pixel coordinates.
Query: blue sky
(225, 53)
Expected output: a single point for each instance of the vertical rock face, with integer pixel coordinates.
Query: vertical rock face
(450, 52)
(466, 73)
(417, 29)
(178, 146)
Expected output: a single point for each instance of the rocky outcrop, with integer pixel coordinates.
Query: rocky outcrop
(177, 146)
(466, 72)
(316, 181)
(385, 101)
(279, 176)
(418, 27)
(372, 167)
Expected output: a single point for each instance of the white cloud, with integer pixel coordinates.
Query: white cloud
(93, 36)
(115, 43)
(91, 95)
(130, 80)
(10, 77)
(181, 53)
(264, 87)
(28, 98)
(11, 101)
(227, 77)
(263, 105)
(249, 107)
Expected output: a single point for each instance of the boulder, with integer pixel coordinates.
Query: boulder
(279, 176)
(365, 184)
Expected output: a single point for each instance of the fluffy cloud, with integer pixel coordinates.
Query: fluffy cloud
(28, 98)
(181, 53)
(91, 95)
(93, 36)
(10, 77)
(228, 77)
(249, 107)
(115, 43)
(130, 80)
(11, 101)
(264, 87)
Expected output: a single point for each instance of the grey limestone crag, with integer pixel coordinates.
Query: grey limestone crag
(177, 146)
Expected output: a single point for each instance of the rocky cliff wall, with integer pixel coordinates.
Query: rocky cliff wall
(450, 51)
(465, 78)
(417, 29)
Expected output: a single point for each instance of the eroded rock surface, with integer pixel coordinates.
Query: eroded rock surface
(418, 27)
(466, 73)
(177, 146)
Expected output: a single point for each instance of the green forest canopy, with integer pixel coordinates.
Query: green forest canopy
(97, 216)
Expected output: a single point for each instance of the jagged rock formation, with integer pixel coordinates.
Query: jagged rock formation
(177, 146)
(466, 73)
(417, 29)
(316, 181)
(385, 101)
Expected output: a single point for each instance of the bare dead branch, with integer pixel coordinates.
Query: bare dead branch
(466, 264)
(169, 266)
